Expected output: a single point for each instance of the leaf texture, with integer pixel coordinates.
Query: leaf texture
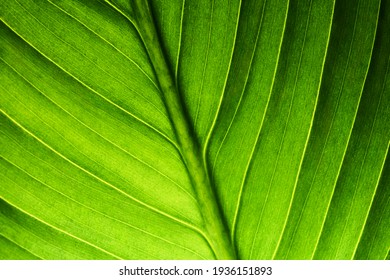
(194, 129)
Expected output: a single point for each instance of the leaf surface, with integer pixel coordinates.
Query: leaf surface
(194, 129)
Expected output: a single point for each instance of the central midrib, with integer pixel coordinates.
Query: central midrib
(213, 222)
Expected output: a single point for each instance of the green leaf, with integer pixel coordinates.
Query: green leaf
(135, 129)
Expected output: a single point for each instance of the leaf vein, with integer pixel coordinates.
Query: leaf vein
(346, 146)
(156, 210)
(104, 138)
(97, 93)
(17, 244)
(101, 213)
(284, 130)
(106, 41)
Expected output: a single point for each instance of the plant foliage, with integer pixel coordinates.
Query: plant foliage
(194, 129)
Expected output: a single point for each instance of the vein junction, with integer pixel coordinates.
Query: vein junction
(213, 222)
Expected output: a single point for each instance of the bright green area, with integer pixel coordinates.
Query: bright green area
(188, 129)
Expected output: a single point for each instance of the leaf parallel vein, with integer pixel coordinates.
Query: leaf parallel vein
(307, 141)
(107, 42)
(154, 209)
(376, 231)
(101, 213)
(80, 151)
(97, 66)
(179, 43)
(28, 231)
(284, 130)
(56, 228)
(138, 119)
(359, 175)
(234, 223)
(348, 141)
(239, 198)
(382, 167)
(242, 93)
(115, 8)
(208, 137)
(205, 64)
(104, 138)
(20, 246)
